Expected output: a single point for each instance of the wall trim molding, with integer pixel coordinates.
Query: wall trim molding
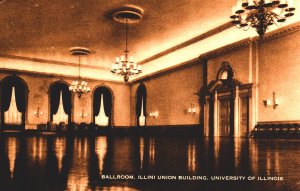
(39, 60)
(58, 76)
(286, 30)
(196, 39)
(169, 70)
(226, 49)
(268, 36)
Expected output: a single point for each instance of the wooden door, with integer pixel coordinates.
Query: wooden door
(224, 117)
(244, 115)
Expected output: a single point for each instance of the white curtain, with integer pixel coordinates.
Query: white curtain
(12, 115)
(101, 119)
(60, 115)
(142, 118)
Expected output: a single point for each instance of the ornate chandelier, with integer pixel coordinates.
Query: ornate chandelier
(79, 86)
(125, 65)
(260, 14)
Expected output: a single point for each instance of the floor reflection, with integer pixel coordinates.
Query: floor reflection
(100, 149)
(60, 149)
(78, 176)
(151, 151)
(11, 149)
(74, 163)
(142, 147)
(191, 163)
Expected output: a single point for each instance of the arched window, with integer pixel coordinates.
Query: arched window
(141, 102)
(14, 93)
(225, 73)
(102, 106)
(60, 102)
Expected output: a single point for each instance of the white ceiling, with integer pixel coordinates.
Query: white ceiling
(45, 30)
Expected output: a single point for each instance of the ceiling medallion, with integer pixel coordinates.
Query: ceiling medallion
(125, 66)
(260, 14)
(128, 13)
(79, 86)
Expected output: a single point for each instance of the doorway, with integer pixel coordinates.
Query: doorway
(227, 105)
(225, 113)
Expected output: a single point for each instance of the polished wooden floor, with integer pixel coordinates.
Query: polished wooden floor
(147, 163)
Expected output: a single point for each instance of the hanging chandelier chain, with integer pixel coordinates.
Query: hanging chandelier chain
(79, 87)
(126, 36)
(79, 66)
(126, 66)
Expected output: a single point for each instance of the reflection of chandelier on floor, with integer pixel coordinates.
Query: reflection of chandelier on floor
(125, 65)
(260, 14)
(79, 86)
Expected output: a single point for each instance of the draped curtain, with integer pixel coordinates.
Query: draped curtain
(20, 93)
(141, 95)
(107, 99)
(54, 99)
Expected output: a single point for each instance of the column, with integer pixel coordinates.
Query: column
(236, 112)
(206, 117)
(216, 124)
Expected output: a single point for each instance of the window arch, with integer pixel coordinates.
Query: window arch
(59, 91)
(102, 115)
(13, 107)
(141, 104)
(225, 73)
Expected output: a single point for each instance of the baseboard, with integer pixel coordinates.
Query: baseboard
(134, 130)
(159, 130)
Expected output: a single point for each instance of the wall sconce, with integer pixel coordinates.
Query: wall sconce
(274, 102)
(153, 114)
(38, 113)
(192, 109)
(82, 114)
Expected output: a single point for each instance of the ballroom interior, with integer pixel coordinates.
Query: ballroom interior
(193, 69)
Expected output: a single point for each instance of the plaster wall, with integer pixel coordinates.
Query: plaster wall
(171, 95)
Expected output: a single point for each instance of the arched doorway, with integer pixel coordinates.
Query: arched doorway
(60, 99)
(226, 112)
(14, 96)
(141, 103)
(102, 106)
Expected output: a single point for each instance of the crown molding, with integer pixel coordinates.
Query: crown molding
(226, 49)
(278, 33)
(47, 75)
(286, 30)
(39, 60)
(283, 31)
(169, 70)
(189, 42)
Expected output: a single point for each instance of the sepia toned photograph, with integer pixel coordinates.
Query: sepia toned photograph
(150, 95)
